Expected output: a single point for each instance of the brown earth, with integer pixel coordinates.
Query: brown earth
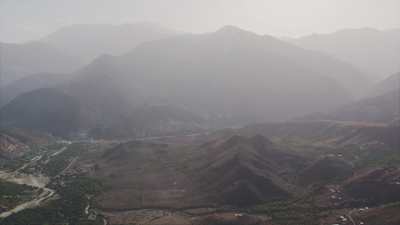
(233, 171)
(375, 186)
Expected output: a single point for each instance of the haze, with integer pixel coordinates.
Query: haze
(208, 112)
(24, 20)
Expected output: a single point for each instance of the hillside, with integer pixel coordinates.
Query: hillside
(30, 83)
(11, 147)
(244, 78)
(92, 40)
(326, 170)
(53, 111)
(46, 110)
(389, 84)
(359, 47)
(376, 186)
(210, 113)
(238, 71)
(247, 170)
(236, 171)
(65, 51)
(235, 176)
(20, 60)
(381, 109)
(18, 143)
(151, 120)
(325, 132)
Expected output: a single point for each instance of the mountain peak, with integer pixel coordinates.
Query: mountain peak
(230, 29)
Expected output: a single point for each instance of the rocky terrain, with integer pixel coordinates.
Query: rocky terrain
(238, 176)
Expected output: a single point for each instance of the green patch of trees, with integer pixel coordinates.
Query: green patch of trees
(67, 209)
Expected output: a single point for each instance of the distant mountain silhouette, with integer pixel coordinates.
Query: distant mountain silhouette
(387, 85)
(376, 52)
(20, 60)
(383, 108)
(228, 77)
(231, 72)
(92, 40)
(30, 83)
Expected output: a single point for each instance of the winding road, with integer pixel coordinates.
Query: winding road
(33, 181)
(46, 194)
(36, 181)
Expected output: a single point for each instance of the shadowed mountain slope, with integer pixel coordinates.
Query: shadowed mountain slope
(236, 171)
(245, 171)
(46, 109)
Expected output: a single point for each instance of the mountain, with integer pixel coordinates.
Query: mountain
(389, 84)
(228, 77)
(387, 215)
(92, 40)
(369, 186)
(223, 177)
(152, 120)
(54, 111)
(30, 83)
(236, 170)
(380, 109)
(326, 170)
(229, 73)
(380, 105)
(71, 47)
(20, 60)
(375, 52)
(15, 143)
(247, 170)
(11, 147)
(46, 109)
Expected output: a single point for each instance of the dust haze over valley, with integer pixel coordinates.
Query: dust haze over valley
(200, 112)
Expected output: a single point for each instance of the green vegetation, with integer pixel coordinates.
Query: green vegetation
(59, 162)
(68, 209)
(380, 158)
(290, 212)
(10, 164)
(364, 156)
(392, 205)
(12, 194)
(35, 151)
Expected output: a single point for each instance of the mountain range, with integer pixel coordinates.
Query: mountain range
(20, 60)
(89, 41)
(70, 48)
(375, 52)
(231, 75)
(381, 105)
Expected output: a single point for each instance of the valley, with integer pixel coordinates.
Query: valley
(260, 174)
(287, 115)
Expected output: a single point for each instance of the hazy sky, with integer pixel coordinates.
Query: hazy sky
(22, 20)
